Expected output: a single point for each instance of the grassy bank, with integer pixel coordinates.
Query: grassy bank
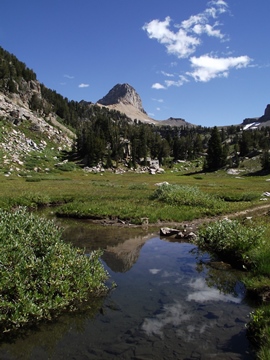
(246, 245)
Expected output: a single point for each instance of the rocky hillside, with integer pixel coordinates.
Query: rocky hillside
(27, 134)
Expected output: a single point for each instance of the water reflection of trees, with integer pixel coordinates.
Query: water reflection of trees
(220, 275)
(217, 273)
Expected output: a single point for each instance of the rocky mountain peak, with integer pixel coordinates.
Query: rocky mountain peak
(267, 112)
(125, 94)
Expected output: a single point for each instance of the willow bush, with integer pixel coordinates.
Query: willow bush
(40, 274)
(185, 195)
(232, 238)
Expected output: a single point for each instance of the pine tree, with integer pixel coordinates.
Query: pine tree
(215, 155)
(265, 160)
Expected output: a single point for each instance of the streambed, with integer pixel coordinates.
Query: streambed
(171, 302)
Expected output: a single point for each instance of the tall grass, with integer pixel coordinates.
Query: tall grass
(184, 195)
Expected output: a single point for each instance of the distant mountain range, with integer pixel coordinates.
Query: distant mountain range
(124, 98)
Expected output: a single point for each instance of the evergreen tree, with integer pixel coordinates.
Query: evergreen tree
(215, 154)
(265, 161)
(245, 143)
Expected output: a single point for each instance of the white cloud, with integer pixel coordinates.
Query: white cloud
(68, 76)
(182, 80)
(158, 86)
(84, 85)
(207, 67)
(185, 40)
(217, 7)
(178, 43)
(158, 100)
(167, 74)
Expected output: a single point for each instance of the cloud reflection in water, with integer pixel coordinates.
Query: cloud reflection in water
(204, 293)
(173, 314)
(177, 314)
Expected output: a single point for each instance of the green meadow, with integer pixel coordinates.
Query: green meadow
(131, 196)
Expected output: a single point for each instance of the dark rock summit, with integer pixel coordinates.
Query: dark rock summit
(125, 94)
(266, 115)
(258, 122)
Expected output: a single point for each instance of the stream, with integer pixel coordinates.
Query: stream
(171, 302)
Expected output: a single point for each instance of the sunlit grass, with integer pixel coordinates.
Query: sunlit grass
(130, 195)
(247, 243)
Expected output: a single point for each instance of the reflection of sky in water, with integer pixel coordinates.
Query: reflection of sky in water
(154, 271)
(162, 295)
(180, 314)
(173, 314)
(203, 293)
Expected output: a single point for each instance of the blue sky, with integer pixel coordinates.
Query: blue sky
(205, 61)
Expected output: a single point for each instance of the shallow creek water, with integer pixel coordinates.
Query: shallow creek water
(171, 302)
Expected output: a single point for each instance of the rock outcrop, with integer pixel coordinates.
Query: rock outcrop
(176, 122)
(258, 122)
(266, 115)
(124, 98)
(123, 93)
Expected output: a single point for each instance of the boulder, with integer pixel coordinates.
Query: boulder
(166, 231)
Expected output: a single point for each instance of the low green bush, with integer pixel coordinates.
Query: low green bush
(231, 237)
(258, 331)
(185, 195)
(33, 199)
(40, 274)
(68, 166)
(238, 197)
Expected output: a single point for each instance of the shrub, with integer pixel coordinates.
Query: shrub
(40, 275)
(33, 199)
(238, 197)
(258, 330)
(186, 195)
(231, 237)
(66, 166)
